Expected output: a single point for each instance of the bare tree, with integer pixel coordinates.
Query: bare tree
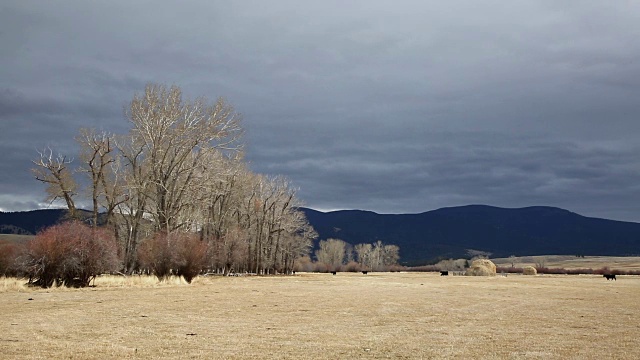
(391, 255)
(363, 253)
(180, 170)
(131, 223)
(331, 253)
(171, 134)
(54, 172)
(96, 156)
(377, 256)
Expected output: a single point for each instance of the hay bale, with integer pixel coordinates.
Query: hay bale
(529, 270)
(481, 267)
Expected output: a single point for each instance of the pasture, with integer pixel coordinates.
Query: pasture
(321, 316)
(572, 262)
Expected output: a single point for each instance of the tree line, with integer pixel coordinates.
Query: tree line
(176, 187)
(338, 255)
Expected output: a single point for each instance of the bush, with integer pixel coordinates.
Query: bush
(424, 268)
(351, 266)
(509, 270)
(9, 253)
(481, 267)
(321, 267)
(156, 255)
(70, 254)
(452, 265)
(304, 264)
(529, 270)
(396, 268)
(182, 254)
(554, 271)
(191, 256)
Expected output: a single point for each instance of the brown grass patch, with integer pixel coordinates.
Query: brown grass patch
(572, 262)
(321, 316)
(12, 238)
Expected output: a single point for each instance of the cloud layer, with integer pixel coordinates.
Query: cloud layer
(394, 108)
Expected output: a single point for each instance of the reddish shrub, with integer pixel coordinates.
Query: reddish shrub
(321, 267)
(182, 254)
(304, 264)
(156, 255)
(351, 266)
(191, 255)
(579, 271)
(601, 271)
(70, 254)
(546, 270)
(396, 268)
(9, 253)
(509, 270)
(424, 268)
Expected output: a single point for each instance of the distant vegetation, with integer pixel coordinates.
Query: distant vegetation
(337, 255)
(468, 231)
(174, 194)
(29, 222)
(70, 254)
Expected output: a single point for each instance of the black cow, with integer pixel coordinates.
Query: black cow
(333, 272)
(609, 276)
(365, 272)
(444, 273)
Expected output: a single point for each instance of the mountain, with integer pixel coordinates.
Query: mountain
(444, 233)
(29, 222)
(453, 232)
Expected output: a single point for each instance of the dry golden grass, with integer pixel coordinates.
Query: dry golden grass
(15, 238)
(572, 262)
(320, 316)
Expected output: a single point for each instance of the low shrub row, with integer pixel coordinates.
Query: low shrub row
(563, 271)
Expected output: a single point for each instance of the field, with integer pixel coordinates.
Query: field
(320, 316)
(572, 262)
(15, 238)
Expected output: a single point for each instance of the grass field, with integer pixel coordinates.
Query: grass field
(572, 262)
(15, 238)
(320, 316)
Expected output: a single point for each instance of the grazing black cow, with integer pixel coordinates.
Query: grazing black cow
(333, 272)
(365, 272)
(610, 276)
(444, 273)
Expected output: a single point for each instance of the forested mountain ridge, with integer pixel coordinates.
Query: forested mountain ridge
(443, 233)
(453, 232)
(29, 222)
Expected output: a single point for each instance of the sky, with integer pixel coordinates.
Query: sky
(387, 106)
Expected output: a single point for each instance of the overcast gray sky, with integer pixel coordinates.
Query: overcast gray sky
(389, 106)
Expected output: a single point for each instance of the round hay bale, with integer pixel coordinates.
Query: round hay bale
(481, 267)
(529, 270)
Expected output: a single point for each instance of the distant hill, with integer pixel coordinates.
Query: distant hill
(452, 232)
(443, 233)
(29, 222)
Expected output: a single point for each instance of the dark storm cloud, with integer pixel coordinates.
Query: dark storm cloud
(400, 107)
(448, 169)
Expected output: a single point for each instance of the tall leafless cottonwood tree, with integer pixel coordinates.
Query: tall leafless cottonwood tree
(180, 170)
(172, 135)
(54, 171)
